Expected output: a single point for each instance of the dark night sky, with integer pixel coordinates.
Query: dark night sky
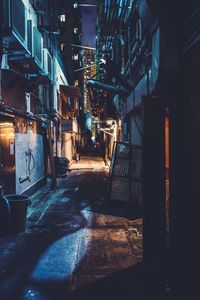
(88, 15)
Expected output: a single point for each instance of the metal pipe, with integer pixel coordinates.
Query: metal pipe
(90, 66)
(87, 5)
(83, 47)
(112, 134)
(107, 87)
(129, 50)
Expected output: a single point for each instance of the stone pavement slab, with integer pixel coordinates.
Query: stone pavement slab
(72, 239)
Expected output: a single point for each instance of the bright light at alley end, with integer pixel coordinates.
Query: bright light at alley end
(75, 5)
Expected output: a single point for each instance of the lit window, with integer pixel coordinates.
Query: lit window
(75, 56)
(62, 46)
(76, 83)
(75, 30)
(75, 4)
(62, 18)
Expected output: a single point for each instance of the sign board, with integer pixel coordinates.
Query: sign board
(120, 173)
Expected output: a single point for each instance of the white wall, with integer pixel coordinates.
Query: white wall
(67, 145)
(59, 79)
(23, 142)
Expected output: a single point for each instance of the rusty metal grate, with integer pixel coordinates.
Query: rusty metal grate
(120, 173)
(120, 189)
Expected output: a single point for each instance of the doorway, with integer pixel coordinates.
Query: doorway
(7, 156)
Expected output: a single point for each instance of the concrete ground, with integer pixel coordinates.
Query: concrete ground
(75, 245)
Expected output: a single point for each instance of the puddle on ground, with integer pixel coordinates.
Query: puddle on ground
(32, 294)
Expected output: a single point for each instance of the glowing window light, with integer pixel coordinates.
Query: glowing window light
(62, 18)
(62, 46)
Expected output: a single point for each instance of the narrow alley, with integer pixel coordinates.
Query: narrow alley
(72, 239)
(99, 149)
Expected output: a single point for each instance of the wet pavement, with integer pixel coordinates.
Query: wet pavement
(74, 242)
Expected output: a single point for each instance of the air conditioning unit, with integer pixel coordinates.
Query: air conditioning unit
(35, 43)
(30, 35)
(37, 46)
(47, 63)
(34, 39)
(15, 23)
(47, 41)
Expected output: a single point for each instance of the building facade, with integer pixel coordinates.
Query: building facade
(152, 50)
(71, 98)
(31, 74)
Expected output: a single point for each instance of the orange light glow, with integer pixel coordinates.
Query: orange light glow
(6, 124)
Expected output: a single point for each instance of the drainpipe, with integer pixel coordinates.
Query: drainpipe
(129, 50)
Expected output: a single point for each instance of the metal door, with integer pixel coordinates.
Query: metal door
(7, 156)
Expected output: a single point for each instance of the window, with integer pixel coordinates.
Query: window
(62, 18)
(62, 47)
(75, 5)
(75, 56)
(75, 30)
(76, 83)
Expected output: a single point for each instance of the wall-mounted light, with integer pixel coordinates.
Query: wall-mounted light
(62, 18)
(87, 5)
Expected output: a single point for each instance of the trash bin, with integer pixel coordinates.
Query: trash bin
(4, 213)
(18, 212)
(61, 165)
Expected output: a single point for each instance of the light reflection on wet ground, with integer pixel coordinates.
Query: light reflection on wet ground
(62, 257)
(72, 238)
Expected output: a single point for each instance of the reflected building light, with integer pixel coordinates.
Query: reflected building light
(60, 260)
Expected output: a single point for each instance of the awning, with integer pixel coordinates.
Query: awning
(70, 91)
